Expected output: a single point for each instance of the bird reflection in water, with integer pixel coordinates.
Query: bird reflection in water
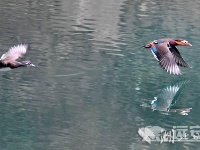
(167, 98)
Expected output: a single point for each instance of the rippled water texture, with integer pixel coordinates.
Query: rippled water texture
(93, 87)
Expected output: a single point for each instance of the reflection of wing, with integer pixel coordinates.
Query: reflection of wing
(168, 96)
(14, 53)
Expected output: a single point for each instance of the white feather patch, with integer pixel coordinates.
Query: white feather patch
(15, 52)
(154, 55)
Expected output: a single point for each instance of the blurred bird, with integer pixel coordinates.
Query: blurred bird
(165, 101)
(8, 59)
(168, 97)
(168, 56)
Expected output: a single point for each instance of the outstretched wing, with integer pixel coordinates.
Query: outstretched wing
(177, 57)
(169, 95)
(168, 63)
(165, 58)
(14, 53)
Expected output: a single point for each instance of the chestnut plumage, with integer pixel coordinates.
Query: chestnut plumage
(168, 56)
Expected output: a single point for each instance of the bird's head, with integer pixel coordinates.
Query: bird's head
(27, 63)
(182, 42)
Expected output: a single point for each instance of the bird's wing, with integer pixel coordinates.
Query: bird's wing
(165, 58)
(177, 57)
(170, 94)
(14, 53)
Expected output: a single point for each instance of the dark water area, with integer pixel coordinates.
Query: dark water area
(92, 86)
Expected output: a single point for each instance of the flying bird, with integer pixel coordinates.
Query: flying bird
(9, 59)
(167, 55)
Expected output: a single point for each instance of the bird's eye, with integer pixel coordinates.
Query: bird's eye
(185, 41)
(155, 42)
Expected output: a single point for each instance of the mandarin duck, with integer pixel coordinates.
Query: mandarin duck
(167, 55)
(8, 59)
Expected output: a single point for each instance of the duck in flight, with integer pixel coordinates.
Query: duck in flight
(167, 55)
(9, 59)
